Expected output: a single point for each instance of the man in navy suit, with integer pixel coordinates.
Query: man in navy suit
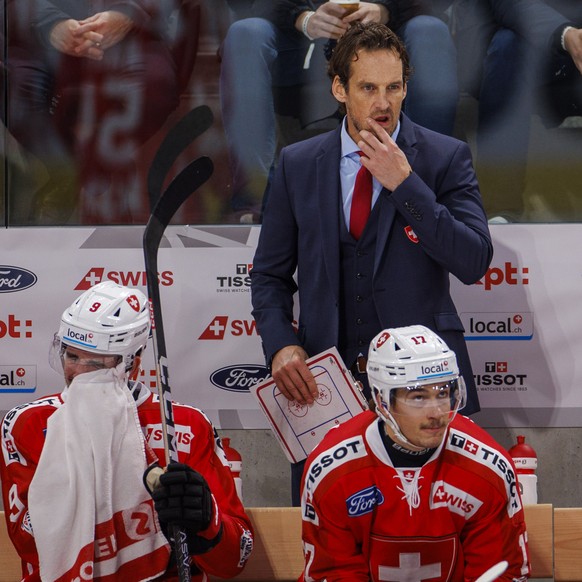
(427, 221)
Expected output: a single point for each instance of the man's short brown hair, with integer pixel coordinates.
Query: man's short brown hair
(369, 37)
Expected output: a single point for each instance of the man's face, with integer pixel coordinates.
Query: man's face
(423, 414)
(76, 361)
(375, 89)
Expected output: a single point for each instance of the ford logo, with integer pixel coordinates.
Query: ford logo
(239, 378)
(15, 279)
(364, 501)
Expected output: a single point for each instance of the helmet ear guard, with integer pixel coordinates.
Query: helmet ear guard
(108, 319)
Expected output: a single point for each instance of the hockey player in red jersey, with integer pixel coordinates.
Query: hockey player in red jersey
(414, 491)
(72, 464)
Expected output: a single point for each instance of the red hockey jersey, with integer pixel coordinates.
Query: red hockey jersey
(23, 434)
(447, 521)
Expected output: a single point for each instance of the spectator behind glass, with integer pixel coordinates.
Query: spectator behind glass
(426, 222)
(77, 466)
(272, 49)
(87, 89)
(517, 58)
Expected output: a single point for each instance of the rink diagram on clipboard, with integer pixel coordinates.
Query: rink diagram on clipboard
(310, 423)
(300, 427)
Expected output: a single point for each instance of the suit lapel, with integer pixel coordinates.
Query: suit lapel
(328, 191)
(328, 186)
(407, 142)
(407, 139)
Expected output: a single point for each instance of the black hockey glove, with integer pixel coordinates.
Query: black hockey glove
(182, 497)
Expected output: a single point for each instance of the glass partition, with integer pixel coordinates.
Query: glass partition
(89, 95)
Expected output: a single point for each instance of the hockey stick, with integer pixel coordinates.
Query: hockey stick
(494, 572)
(178, 138)
(186, 182)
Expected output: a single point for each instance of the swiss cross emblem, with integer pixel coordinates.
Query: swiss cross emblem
(471, 447)
(416, 558)
(382, 339)
(133, 302)
(411, 234)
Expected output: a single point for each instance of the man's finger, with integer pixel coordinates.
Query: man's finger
(309, 386)
(299, 377)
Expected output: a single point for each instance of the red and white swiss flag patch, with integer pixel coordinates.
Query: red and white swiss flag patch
(411, 234)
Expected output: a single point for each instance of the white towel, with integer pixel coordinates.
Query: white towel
(91, 515)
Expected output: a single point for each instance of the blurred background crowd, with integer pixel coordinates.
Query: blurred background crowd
(91, 87)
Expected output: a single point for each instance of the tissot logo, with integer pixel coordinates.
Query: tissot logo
(239, 378)
(341, 453)
(128, 278)
(221, 326)
(239, 281)
(466, 446)
(498, 378)
(15, 279)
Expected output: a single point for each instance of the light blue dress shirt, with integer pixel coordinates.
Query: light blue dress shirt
(349, 167)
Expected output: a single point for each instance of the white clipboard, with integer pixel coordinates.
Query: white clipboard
(298, 428)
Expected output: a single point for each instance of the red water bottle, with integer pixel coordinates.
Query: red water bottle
(235, 463)
(526, 463)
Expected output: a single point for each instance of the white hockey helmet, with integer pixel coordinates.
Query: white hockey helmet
(406, 358)
(107, 319)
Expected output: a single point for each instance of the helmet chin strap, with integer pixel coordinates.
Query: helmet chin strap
(391, 422)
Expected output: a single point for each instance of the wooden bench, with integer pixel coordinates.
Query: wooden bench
(568, 544)
(554, 538)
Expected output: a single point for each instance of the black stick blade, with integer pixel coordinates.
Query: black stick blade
(187, 181)
(178, 138)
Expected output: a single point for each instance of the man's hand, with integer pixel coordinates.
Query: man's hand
(68, 37)
(369, 12)
(182, 497)
(573, 44)
(329, 20)
(113, 26)
(292, 375)
(385, 160)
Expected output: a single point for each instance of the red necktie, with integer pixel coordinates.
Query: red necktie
(361, 202)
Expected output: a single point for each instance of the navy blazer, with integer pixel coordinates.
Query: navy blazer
(440, 200)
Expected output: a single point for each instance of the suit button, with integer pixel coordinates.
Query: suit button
(359, 276)
(358, 321)
(359, 298)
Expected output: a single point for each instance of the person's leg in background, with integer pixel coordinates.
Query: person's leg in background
(504, 119)
(252, 53)
(433, 91)
(46, 192)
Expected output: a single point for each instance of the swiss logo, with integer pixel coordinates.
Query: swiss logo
(215, 329)
(411, 234)
(382, 339)
(444, 494)
(133, 302)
